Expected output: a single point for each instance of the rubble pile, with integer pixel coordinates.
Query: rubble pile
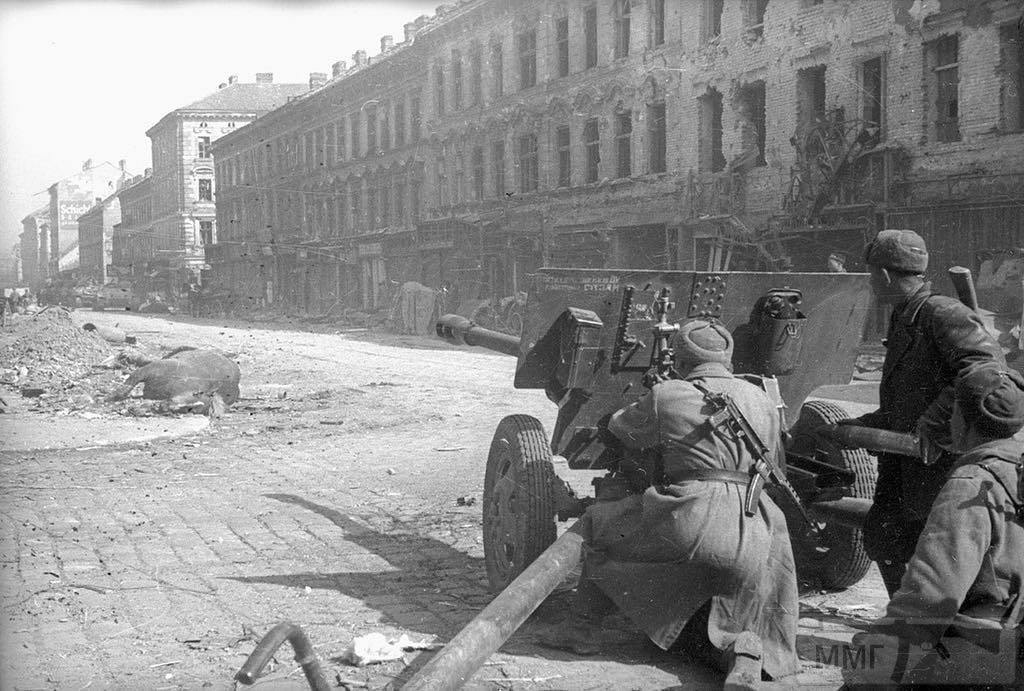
(47, 353)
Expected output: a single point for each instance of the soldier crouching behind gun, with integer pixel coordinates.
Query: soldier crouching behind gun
(958, 614)
(683, 560)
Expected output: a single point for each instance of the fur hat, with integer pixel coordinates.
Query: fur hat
(899, 250)
(992, 400)
(700, 340)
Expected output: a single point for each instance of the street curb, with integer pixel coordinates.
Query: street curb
(22, 432)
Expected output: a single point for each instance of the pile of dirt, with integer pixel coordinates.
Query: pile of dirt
(47, 351)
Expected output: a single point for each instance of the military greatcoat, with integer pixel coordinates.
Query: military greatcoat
(662, 555)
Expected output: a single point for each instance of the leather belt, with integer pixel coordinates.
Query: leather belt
(737, 477)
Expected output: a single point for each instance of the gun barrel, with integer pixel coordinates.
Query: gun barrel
(452, 667)
(457, 329)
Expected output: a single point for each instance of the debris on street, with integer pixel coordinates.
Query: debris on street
(110, 334)
(376, 647)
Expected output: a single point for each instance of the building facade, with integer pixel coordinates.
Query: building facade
(183, 185)
(132, 244)
(96, 239)
(704, 135)
(34, 241)
(69, 199)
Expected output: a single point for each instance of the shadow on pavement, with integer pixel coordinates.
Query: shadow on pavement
(416, 596)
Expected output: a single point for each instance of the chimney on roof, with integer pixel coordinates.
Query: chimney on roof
(387, 42)
(87, 164)
(120, 164)
(359, 58)
(338, 68)
(99, 200)
(264, 77)
(233, 79)
(222, 85)
(317, 79)
(410, 31)
(148, 171)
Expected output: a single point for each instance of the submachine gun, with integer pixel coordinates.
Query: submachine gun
(725, 415)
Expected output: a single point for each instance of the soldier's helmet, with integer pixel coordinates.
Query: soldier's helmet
(898, 250)
(702, 340)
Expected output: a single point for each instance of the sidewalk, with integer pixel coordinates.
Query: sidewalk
(36, 432)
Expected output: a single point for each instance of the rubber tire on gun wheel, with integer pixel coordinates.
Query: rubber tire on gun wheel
(846, 561)
(519, 500)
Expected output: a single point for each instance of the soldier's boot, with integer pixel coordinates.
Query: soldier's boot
(581, 632)
(744, 663)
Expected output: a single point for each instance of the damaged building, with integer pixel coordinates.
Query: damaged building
(498, 137)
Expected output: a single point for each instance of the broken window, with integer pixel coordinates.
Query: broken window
(497, 70)
(564, 155)
(590, 35)
(592, 143)
(621, 28)
(399, 124)
(623, 136)
(332, 142)
(753, 17)
(355, 198)
(712, 19)
(498, 163)
(528, 163)
(1011, 73)
(385, 201)
(527, 44)
(810, 89)
(371, 130)
(562, 46)
(752, 113)
(400, 202)
(872, 93)
(476, 78)
(942, 55)
(439, 90)
(357, 147)
(372, 215)
(456, 80)
(710, 158)
(657, 22)
(205, 190)
(656, 137)
(478, 173)
(417, 119)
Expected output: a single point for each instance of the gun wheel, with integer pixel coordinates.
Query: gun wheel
(519, 499)
(846, 560)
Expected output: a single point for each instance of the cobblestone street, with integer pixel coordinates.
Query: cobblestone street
(328, 496)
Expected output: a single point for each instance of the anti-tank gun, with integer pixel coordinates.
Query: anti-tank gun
(592, 340)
